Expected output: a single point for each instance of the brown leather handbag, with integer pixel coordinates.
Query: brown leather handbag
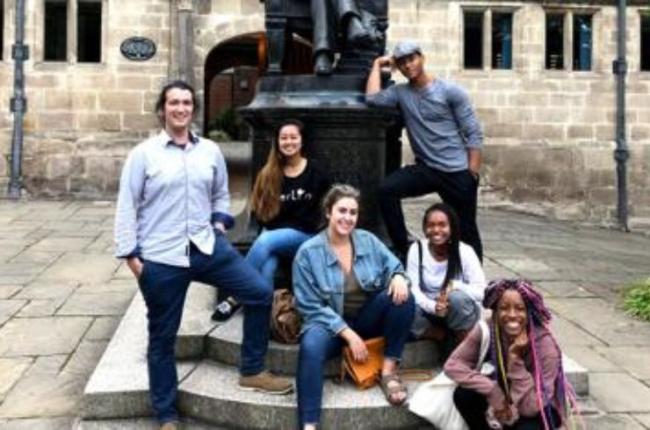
(364, 375)
(285, 319)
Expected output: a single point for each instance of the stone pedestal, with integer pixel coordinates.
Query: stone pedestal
(347, 138)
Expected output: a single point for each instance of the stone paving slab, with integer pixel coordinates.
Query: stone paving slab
(644, 419)
(17, 268)
(42, 336)
(47, 290)
(140, 424)
(612, 422)
(570, 333)
(16, 279)
(603, 320)
(636, 360)
(102, 328)
(564, 289)
(82, 360)
(43, 258)
(494, 270)
(68, 243)
(9, 308)
(113, 286)
(619, 392)
(589, 357)
(75, 266)
(11, 369)
(93, 304)
(41, 307)
(59, 423)
(7, 291)
(44, 394)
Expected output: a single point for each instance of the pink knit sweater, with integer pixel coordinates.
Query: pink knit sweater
(461, 367)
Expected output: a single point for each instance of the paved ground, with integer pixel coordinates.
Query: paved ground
(62, 296)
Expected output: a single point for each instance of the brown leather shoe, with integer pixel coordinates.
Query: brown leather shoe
(171, 425)
(266, 382)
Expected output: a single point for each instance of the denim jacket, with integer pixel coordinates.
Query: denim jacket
(318, 278)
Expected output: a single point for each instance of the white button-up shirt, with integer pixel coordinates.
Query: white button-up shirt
(171, 195)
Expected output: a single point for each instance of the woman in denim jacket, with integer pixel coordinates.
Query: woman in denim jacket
(348, 287)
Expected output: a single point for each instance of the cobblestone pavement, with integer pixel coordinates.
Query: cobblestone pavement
(62, 295)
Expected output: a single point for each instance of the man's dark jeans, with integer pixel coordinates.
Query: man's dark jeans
(457, 189)
(164, 289)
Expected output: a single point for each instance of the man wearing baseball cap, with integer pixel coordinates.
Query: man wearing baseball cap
(446, 139)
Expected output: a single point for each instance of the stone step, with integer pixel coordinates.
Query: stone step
(118, 388)
(223, 345)
(210, 393)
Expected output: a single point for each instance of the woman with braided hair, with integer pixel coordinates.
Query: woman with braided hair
(527, 389)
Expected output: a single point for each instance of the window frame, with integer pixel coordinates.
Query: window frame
(574, 18)
(3, 30)
(568, 14)
(643, 13)
(101, 33)
(71, 34)
(487, 12)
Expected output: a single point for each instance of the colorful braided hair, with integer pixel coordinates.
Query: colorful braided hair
(538, 317)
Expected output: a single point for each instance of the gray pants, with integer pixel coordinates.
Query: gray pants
(462, 314)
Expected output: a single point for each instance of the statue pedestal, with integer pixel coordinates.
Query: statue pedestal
(347, 138)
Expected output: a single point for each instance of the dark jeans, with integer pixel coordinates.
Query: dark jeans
(472, 407)
(457, 189)
(379, 316)
(164, 289)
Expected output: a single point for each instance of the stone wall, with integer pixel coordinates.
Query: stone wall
(549, 134)
(76, 109)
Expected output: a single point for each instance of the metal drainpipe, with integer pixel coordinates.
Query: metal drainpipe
(18, 105)
(621, 153)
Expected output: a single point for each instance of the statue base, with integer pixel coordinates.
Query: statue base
(351, 142)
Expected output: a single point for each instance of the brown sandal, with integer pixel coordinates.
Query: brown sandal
(391, 391)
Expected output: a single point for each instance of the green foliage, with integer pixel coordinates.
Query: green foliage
(636, 299)
(228, 122)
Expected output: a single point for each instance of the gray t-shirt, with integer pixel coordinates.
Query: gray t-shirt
(440, 122)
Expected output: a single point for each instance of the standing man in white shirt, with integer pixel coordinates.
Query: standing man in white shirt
(172, 212)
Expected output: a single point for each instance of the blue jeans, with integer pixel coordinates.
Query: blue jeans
(270, 246)
(379, 316)
(462, 314)
(164, 289)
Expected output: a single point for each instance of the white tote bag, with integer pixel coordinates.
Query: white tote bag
(434, 400)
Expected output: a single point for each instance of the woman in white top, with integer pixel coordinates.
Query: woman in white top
(448, 280)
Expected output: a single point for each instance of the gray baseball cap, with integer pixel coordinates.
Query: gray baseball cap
(407, 47)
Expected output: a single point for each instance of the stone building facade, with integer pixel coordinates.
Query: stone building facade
(549, 118)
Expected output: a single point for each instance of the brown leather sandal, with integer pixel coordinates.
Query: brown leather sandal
(390, 391)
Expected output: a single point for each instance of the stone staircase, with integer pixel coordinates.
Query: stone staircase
(208, 356)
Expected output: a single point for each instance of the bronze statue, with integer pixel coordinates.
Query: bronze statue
(354, 28)
(330, 17)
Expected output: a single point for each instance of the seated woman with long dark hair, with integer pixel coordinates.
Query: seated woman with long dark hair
(528, 388)
(448, 280)
(348, 287)
(286, 202)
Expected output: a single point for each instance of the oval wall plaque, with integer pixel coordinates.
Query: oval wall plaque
(138, 48)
